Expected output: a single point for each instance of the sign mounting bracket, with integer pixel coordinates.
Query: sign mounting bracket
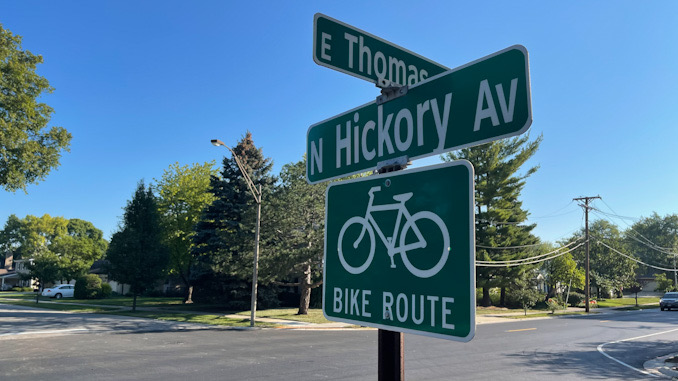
(389, 91)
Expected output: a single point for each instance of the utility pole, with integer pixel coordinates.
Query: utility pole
(586, 207)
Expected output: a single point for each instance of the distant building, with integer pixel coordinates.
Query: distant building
(11, 271)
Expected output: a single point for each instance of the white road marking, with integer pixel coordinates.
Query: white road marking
(52, 331)
(600, 349)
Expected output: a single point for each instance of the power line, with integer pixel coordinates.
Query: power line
(502, 264)
(647, 242)
(633, 259)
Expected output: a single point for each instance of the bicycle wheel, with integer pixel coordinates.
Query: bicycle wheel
(417, 219)
(356, 227)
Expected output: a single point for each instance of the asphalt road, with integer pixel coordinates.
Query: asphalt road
(48, 345)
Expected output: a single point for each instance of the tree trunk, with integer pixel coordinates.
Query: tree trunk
(502, 298)
(305, 284)
(134, 302)
(486, 302)
(189, 295)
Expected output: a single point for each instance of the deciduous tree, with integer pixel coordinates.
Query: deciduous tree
(29, 150)
(183, 194)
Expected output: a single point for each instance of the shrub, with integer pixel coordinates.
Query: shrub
(554, 305)
(87, 287)
(576, 298)
(105, 291)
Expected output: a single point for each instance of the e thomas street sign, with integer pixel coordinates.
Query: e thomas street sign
(484, 100)
(400, 251)
(352, 51)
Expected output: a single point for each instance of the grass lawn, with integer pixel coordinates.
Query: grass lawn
(498, 310)
(315, 315)
(57, 306)
(622, 302)
(546, 314)
(193, 318)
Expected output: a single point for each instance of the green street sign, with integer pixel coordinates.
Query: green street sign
(400, 251)
(482, 101)
(352, 51)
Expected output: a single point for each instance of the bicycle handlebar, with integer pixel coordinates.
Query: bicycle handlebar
(374, 189)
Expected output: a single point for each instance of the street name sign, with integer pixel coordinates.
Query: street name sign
(352, 51)
(484, 100)
(400, 251)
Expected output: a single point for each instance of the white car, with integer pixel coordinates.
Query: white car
(60, 291)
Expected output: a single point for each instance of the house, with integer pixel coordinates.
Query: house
(10, 273)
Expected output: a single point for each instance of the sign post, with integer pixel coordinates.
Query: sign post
(479, 102)
(400, 253)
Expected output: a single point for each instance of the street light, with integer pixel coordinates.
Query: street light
(256, 193)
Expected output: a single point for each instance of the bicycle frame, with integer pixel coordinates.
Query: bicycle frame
(402, 212)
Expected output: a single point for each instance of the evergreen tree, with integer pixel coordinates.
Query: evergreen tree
(296, 250)
(137, 253)
(224, 239)
(499, 212)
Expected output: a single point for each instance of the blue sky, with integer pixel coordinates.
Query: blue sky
(142, 85)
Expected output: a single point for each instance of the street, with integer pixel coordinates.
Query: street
(42, 344)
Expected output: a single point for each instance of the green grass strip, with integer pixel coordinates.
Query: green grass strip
(192, 318)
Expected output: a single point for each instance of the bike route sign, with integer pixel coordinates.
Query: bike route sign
(400, 253)
(479, 102)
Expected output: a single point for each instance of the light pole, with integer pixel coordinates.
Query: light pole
(256, 193)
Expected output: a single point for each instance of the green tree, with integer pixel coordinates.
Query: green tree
(563, 270)
(224, 239)
(76, 243)
(28, 150)
(295, 252)
(654, 240)
(608, 270)
(663, 284)
(137, 252)
(183, 193)
(82, 244)
(524, 293)
(44, 268)
(499, 212)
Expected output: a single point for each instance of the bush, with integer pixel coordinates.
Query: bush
(105, 291)
(87, 287)
(576, 299)
(554, 304)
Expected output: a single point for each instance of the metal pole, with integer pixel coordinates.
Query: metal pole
(255, 271)
(391, 358)
(675, 274)
(257, 199)
(391, 353)
(588, 287)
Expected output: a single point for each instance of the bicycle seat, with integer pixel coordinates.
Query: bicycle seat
(403, 197)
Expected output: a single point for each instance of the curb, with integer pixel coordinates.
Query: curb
(658, 366)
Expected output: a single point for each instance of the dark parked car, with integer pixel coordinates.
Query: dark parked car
(668, 301)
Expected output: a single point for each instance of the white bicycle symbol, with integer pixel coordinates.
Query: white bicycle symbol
(369, 225)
